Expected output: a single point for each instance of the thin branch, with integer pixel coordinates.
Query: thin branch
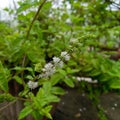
(28, 33)
(24, 99)
(35, 17)
(15, 7)
(23, 64)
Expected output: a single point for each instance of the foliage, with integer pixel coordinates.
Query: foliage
(74, 39)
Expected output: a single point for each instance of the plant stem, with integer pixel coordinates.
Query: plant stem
(23, 99)
(23, 64)
(35, 17)
(27, 36)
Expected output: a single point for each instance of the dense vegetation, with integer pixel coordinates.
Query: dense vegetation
(53, 46)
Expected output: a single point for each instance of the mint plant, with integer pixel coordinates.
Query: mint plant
(55, 45)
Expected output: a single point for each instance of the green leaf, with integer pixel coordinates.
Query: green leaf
(6, 97)
(115, 84)
(29, 69)
(25, 5)
(47, 87)
(19, 68)
(34, 53)
(58, 91)
(36, 115)
(48, 115)
(87, 68)
(69, 82)
(44, 98)
(25, 111)
(52, 98)
(56, 78)
(25, 92)
(70, 70)
(45, 111)
(94, 72)
(29, 77)
(38, 66)
(4, 74)
(47, 6)
(62, 72)
(18, 79)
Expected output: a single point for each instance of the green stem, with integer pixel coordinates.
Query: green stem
(28, 33)
(35, 17)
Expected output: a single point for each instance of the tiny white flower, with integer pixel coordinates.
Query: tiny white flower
(113, 108)
(32, 85)
(43, 69)
(60, 64)
(68, 21)
(73, 40)
(56, 60)
(48, 65)
(65, 55)
(78, 78)
(115, 104)
(90, 80)
(48, 70)
(82, 78)
(40, 76)
(86, 79)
